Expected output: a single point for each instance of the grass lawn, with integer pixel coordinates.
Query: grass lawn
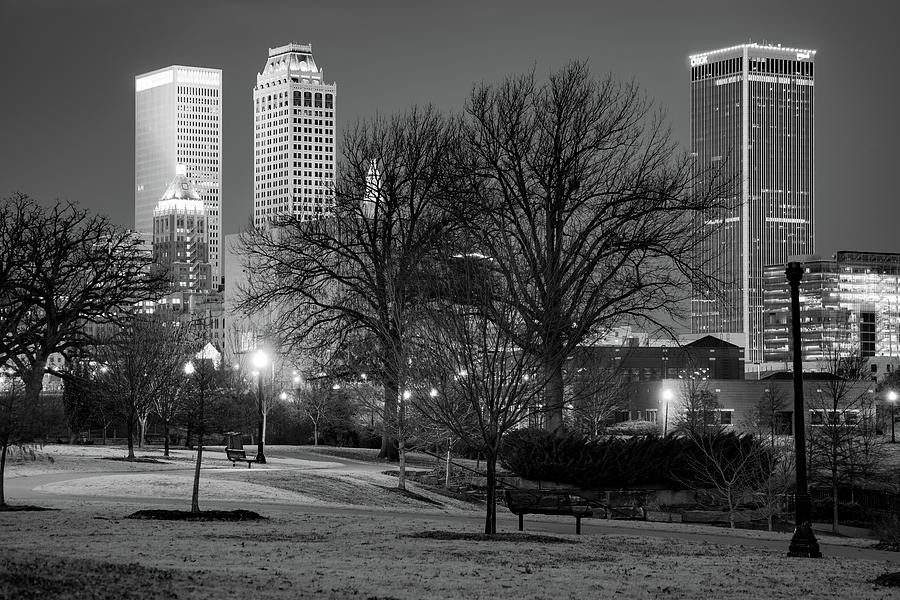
(88, 549)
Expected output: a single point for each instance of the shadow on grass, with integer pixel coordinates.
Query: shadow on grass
(203, 515)
(411, 495)
(140, 459)
(22, 507)
(497, 537)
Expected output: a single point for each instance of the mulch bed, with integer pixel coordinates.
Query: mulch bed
(22, 507)
(890, 546)
(497, 537)
(203, 515)
(888, 580)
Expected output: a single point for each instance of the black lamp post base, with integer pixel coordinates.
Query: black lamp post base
(804, 543)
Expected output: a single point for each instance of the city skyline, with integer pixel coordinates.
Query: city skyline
(433, 55)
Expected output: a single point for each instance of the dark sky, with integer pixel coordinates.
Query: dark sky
(67, 98)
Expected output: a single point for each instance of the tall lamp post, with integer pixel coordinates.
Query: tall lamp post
(804, 542)
(892, 398)
(667, 397)
(260, 360)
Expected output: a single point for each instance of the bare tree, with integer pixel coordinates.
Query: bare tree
(842, 436)
(354, 273)
(63, 272)
(593, 205)
(481, 383)
(769, 423)
(731, 464)
(16, 420)
(138, 364)
(313, 404)
(698, 412)
(204, 383)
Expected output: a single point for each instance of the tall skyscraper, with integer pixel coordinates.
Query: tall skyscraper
(752, 113)
(293, 137)
(178, 121)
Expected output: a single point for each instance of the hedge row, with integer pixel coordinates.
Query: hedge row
(667, 462)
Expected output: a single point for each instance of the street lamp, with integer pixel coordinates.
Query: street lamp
(667, 397)
(803, 543)
(892, 397)
(260, 360)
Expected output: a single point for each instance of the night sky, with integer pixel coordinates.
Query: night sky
(68, 67)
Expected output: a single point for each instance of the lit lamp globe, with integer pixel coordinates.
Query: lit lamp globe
(260, 359)
(189, 368)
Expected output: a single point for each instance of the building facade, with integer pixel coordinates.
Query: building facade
(849, 304)
(178, 121)
(180, 230)
(293, 137)
(752, 123)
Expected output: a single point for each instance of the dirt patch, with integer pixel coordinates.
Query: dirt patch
(204, 515)
(497, 537)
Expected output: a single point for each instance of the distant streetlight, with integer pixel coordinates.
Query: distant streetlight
(667, 396)
(283, 396)
(260, 360)
(433, 393)
(892, 397)
(189, 368)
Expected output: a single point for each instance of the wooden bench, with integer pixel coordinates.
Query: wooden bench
(547, 502)
(236, 456)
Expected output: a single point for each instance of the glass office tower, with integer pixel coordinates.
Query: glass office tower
(178, 121)
(752, 119)
(293, 137)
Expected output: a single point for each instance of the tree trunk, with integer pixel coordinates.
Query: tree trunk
(142, 422)
(166, 438)
(315, 434)
(195, 494)
(187, 437)
(35, 381)
(401, 479)
(130, 433)
(3, 472)
(553, 396)
(834, 507)
(389, 420)
(490, 517)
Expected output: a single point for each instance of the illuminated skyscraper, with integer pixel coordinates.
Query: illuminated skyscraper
(752, 113)
(293, 137)
(178, 121)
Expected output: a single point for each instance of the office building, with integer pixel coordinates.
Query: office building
(179, 235)
(293, 137)
(849, 304)
(752, 122)
(178, 121)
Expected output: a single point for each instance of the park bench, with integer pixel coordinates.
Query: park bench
(547, 502)
(236, 456)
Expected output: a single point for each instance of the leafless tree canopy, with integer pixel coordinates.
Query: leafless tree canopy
(62, 269)
(596, 204)
(355, 273)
